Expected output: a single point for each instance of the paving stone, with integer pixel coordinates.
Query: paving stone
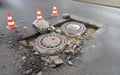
(70, 63)
(53, 57)
(66, 15)
(39, 73)
(58, 61)
(27, 72)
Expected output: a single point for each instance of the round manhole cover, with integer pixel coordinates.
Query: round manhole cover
(50, 43)
(73, 29)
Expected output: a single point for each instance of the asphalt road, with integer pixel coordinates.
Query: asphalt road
(111, 3)
(102, 52)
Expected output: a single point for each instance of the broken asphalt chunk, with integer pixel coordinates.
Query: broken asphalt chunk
(58, 61)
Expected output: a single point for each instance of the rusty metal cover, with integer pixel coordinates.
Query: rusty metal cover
(50, 43)
(73, 29)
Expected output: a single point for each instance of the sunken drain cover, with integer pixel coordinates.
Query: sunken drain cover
(50, 44)
(73, 29)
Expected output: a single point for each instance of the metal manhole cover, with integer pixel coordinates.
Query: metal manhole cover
(73, 29)
(50, 43)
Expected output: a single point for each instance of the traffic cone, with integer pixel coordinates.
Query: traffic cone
(39, 15)
(11, 23)
(54, 13)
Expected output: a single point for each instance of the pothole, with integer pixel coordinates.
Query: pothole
(60, 44)
(66, 34)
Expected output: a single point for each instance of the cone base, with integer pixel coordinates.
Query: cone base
(40, 19)
(11, 27)
(54, 15)
(37, 21)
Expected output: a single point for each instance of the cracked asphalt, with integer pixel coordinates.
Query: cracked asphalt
(102, 51)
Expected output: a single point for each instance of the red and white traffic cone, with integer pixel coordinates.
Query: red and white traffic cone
(39, 15)
(54, 13)
(11, 23)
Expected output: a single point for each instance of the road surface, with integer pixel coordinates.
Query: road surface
(114, 3)
(102, 52)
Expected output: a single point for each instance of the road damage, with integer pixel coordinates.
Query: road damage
(52, 45)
